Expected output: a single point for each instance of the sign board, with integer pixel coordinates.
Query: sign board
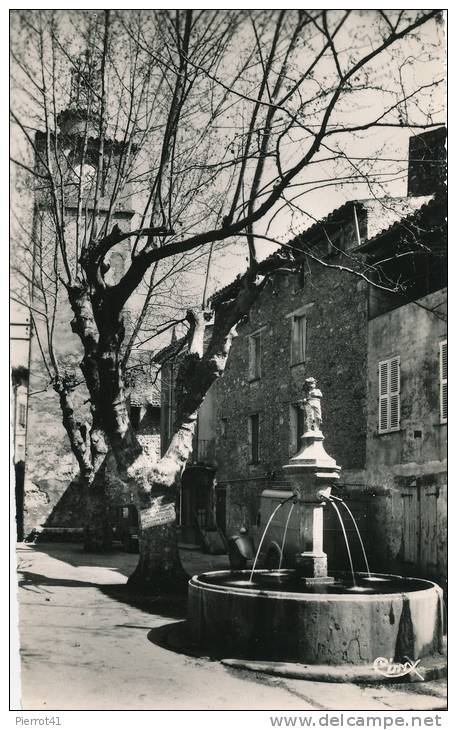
(158, 514)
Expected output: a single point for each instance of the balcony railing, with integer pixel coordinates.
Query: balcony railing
(204, 451)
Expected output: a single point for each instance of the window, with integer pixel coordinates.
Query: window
(443, 381)
(389, 395)
(298, 345)
(22, 415)
(297, 427)
(135, 416)
(255, 356)
(254, 438)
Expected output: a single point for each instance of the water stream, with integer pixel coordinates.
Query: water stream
(345, 539)
(358, 533)
(284, 536)
(264, 533)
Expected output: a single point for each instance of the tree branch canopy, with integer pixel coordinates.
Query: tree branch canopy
(168, 154)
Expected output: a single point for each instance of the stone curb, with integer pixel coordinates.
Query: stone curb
(177, 639)
(430, 668)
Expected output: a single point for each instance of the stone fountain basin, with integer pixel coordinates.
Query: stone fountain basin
(316, 625)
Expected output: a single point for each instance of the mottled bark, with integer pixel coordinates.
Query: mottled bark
(83, 324)
(78, 433)
(97, 528)
(96, 523)
(98, 322)
(159, 567)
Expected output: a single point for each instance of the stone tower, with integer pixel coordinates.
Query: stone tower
(51, 497)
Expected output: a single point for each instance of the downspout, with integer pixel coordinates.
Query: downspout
(357, 230)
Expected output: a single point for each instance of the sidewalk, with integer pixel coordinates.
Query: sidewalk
(87, 644)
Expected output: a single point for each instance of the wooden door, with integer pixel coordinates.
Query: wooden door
(429, 529)
(410, 524)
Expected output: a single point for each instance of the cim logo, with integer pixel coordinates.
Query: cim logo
(389, 668)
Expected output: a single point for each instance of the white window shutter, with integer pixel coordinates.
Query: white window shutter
(389, 395)
(394, 393)
(443, 382)
(383, 396)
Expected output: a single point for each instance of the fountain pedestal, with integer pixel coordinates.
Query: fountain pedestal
(300, 621)
(312, 473)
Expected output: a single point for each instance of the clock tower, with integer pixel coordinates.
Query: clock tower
(53, 499)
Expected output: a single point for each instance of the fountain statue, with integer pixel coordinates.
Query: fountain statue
(303, 614)
(312, 472)
(311, 405)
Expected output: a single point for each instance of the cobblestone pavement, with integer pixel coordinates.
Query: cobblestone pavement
(87, 644)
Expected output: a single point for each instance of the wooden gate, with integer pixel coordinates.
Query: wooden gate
(420, 528)
(429, 538)
(410, 525)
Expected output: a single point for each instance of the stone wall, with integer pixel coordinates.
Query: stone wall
(336, 342)
(412, 332)
(409, 518)
(50, 467)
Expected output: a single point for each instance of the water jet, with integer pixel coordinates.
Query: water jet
(305, 614)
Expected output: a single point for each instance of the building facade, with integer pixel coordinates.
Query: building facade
(407, 395)
(380, 359)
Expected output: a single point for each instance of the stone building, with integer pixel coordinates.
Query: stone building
(380, 360)
(201, 505)
(328, 323)
(407, 397)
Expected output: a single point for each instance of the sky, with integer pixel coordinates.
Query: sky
(389, 144)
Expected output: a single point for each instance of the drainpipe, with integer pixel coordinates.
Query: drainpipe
(356, 223)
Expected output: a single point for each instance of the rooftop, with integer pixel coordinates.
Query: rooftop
(381, 214)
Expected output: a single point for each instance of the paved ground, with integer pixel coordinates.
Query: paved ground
(87, 644)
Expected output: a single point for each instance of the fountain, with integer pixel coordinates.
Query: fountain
(304, 614)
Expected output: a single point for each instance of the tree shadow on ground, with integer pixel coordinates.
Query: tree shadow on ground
(124, 563)
(166, 606)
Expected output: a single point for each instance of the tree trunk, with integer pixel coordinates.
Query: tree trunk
(159, 567)
(97, 529)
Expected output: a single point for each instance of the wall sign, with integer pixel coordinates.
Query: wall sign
(157, 514)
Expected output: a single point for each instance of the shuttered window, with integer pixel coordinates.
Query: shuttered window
(443, 381)
(298, 349)
(254, 433)
(389, 395)
(255, 370)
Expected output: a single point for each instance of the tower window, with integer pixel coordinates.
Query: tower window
(255, 369)
(298, 344)
(254, 434)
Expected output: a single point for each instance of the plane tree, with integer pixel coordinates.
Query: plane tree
(215, 124)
